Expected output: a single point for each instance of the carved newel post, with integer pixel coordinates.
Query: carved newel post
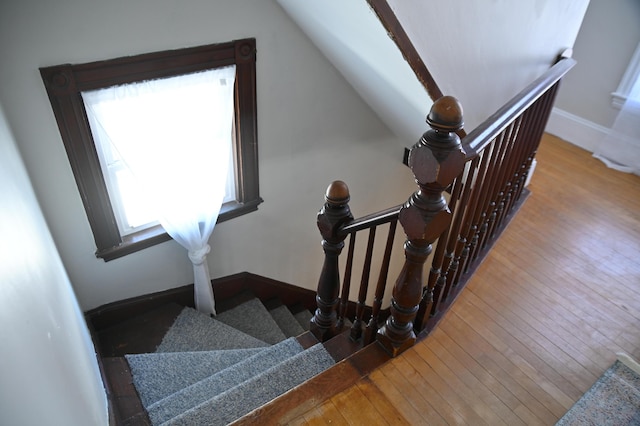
(436, 160)
(331, 218)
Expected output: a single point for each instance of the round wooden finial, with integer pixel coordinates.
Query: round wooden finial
(446, 114)
(337, 193)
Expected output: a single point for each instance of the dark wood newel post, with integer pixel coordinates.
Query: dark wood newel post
(436, 160)
(332, 217)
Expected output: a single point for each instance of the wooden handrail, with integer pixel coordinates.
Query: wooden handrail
(478, 139)
(485, 173)
(371, 220)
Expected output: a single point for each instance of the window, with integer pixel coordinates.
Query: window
(105, 196)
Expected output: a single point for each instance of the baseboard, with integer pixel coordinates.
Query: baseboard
(224, 288)
(576, 130)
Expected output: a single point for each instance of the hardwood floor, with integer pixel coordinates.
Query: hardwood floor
(540, 321)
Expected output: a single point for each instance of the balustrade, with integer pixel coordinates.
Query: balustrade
(485, 174)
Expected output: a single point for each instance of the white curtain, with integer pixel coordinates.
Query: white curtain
(174, 135)
(620, 149)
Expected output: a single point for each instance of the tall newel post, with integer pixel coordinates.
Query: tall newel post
(334, 214)
(436, 160)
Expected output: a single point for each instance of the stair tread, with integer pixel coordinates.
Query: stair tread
(286, 321)
(203, 390)
(260, 389)
(303, 318)
(252, 318)
(158, 375)
(195, 331)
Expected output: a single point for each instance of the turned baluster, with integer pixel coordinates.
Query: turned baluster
(358, 321)
(332, 217)
(436, 160)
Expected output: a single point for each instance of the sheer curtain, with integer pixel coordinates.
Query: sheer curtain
(620, 149)
(174, 135)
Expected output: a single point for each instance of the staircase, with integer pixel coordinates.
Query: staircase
(212, 371)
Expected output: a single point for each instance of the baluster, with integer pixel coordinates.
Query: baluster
(436, 160)
(514, 135)
(456, 241)
(346, 283)
(372, 327)
(358, 322)
(495, 163)
(507, 140)
(334, 214)
(470, 228)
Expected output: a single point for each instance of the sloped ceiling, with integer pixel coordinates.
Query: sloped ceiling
(352, 38)
(483, 52)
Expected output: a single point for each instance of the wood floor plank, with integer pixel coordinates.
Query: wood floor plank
(408, 396)
(502, 369)
(496, 346)
(325, 414)
(486, 378)
(488, 409)
(413, 371)
(572, 317)
(537, 339)
(356, 408)
(382, 405)
(464, 377)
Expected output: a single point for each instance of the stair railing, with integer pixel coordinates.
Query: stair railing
(485, 175)
(499, 155)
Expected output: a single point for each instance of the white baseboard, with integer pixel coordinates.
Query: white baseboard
(576, 130)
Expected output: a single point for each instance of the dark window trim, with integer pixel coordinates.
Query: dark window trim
(64, 84)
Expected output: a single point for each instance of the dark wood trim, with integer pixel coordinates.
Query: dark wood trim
(114, 313)
(395, 30)
(156, 235)
(318, 389)
(263, 288)
(64, 84)
(371, 220)
(402, 40)
(124, 398)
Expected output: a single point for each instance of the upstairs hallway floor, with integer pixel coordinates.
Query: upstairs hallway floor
(540, 321)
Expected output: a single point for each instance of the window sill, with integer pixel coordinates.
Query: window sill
(156, 235)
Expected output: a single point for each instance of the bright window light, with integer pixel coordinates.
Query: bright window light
(162, 130)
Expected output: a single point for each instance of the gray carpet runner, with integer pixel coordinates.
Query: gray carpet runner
(161, 374)
(212, 371)
(194, 331)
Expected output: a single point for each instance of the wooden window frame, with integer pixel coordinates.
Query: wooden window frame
(64, 84)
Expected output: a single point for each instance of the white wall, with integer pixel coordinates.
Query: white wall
(486, 51)
(352, 37)
(48, 373)
(313, 128)
(606, 42)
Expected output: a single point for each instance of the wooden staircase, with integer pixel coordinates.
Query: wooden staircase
(137, 326)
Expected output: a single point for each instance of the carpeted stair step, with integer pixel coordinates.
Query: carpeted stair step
(195, 331)
(252, 318)
(251, 394)
(158, 375)
(286, 321)
(203, 390)
(304, 317)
